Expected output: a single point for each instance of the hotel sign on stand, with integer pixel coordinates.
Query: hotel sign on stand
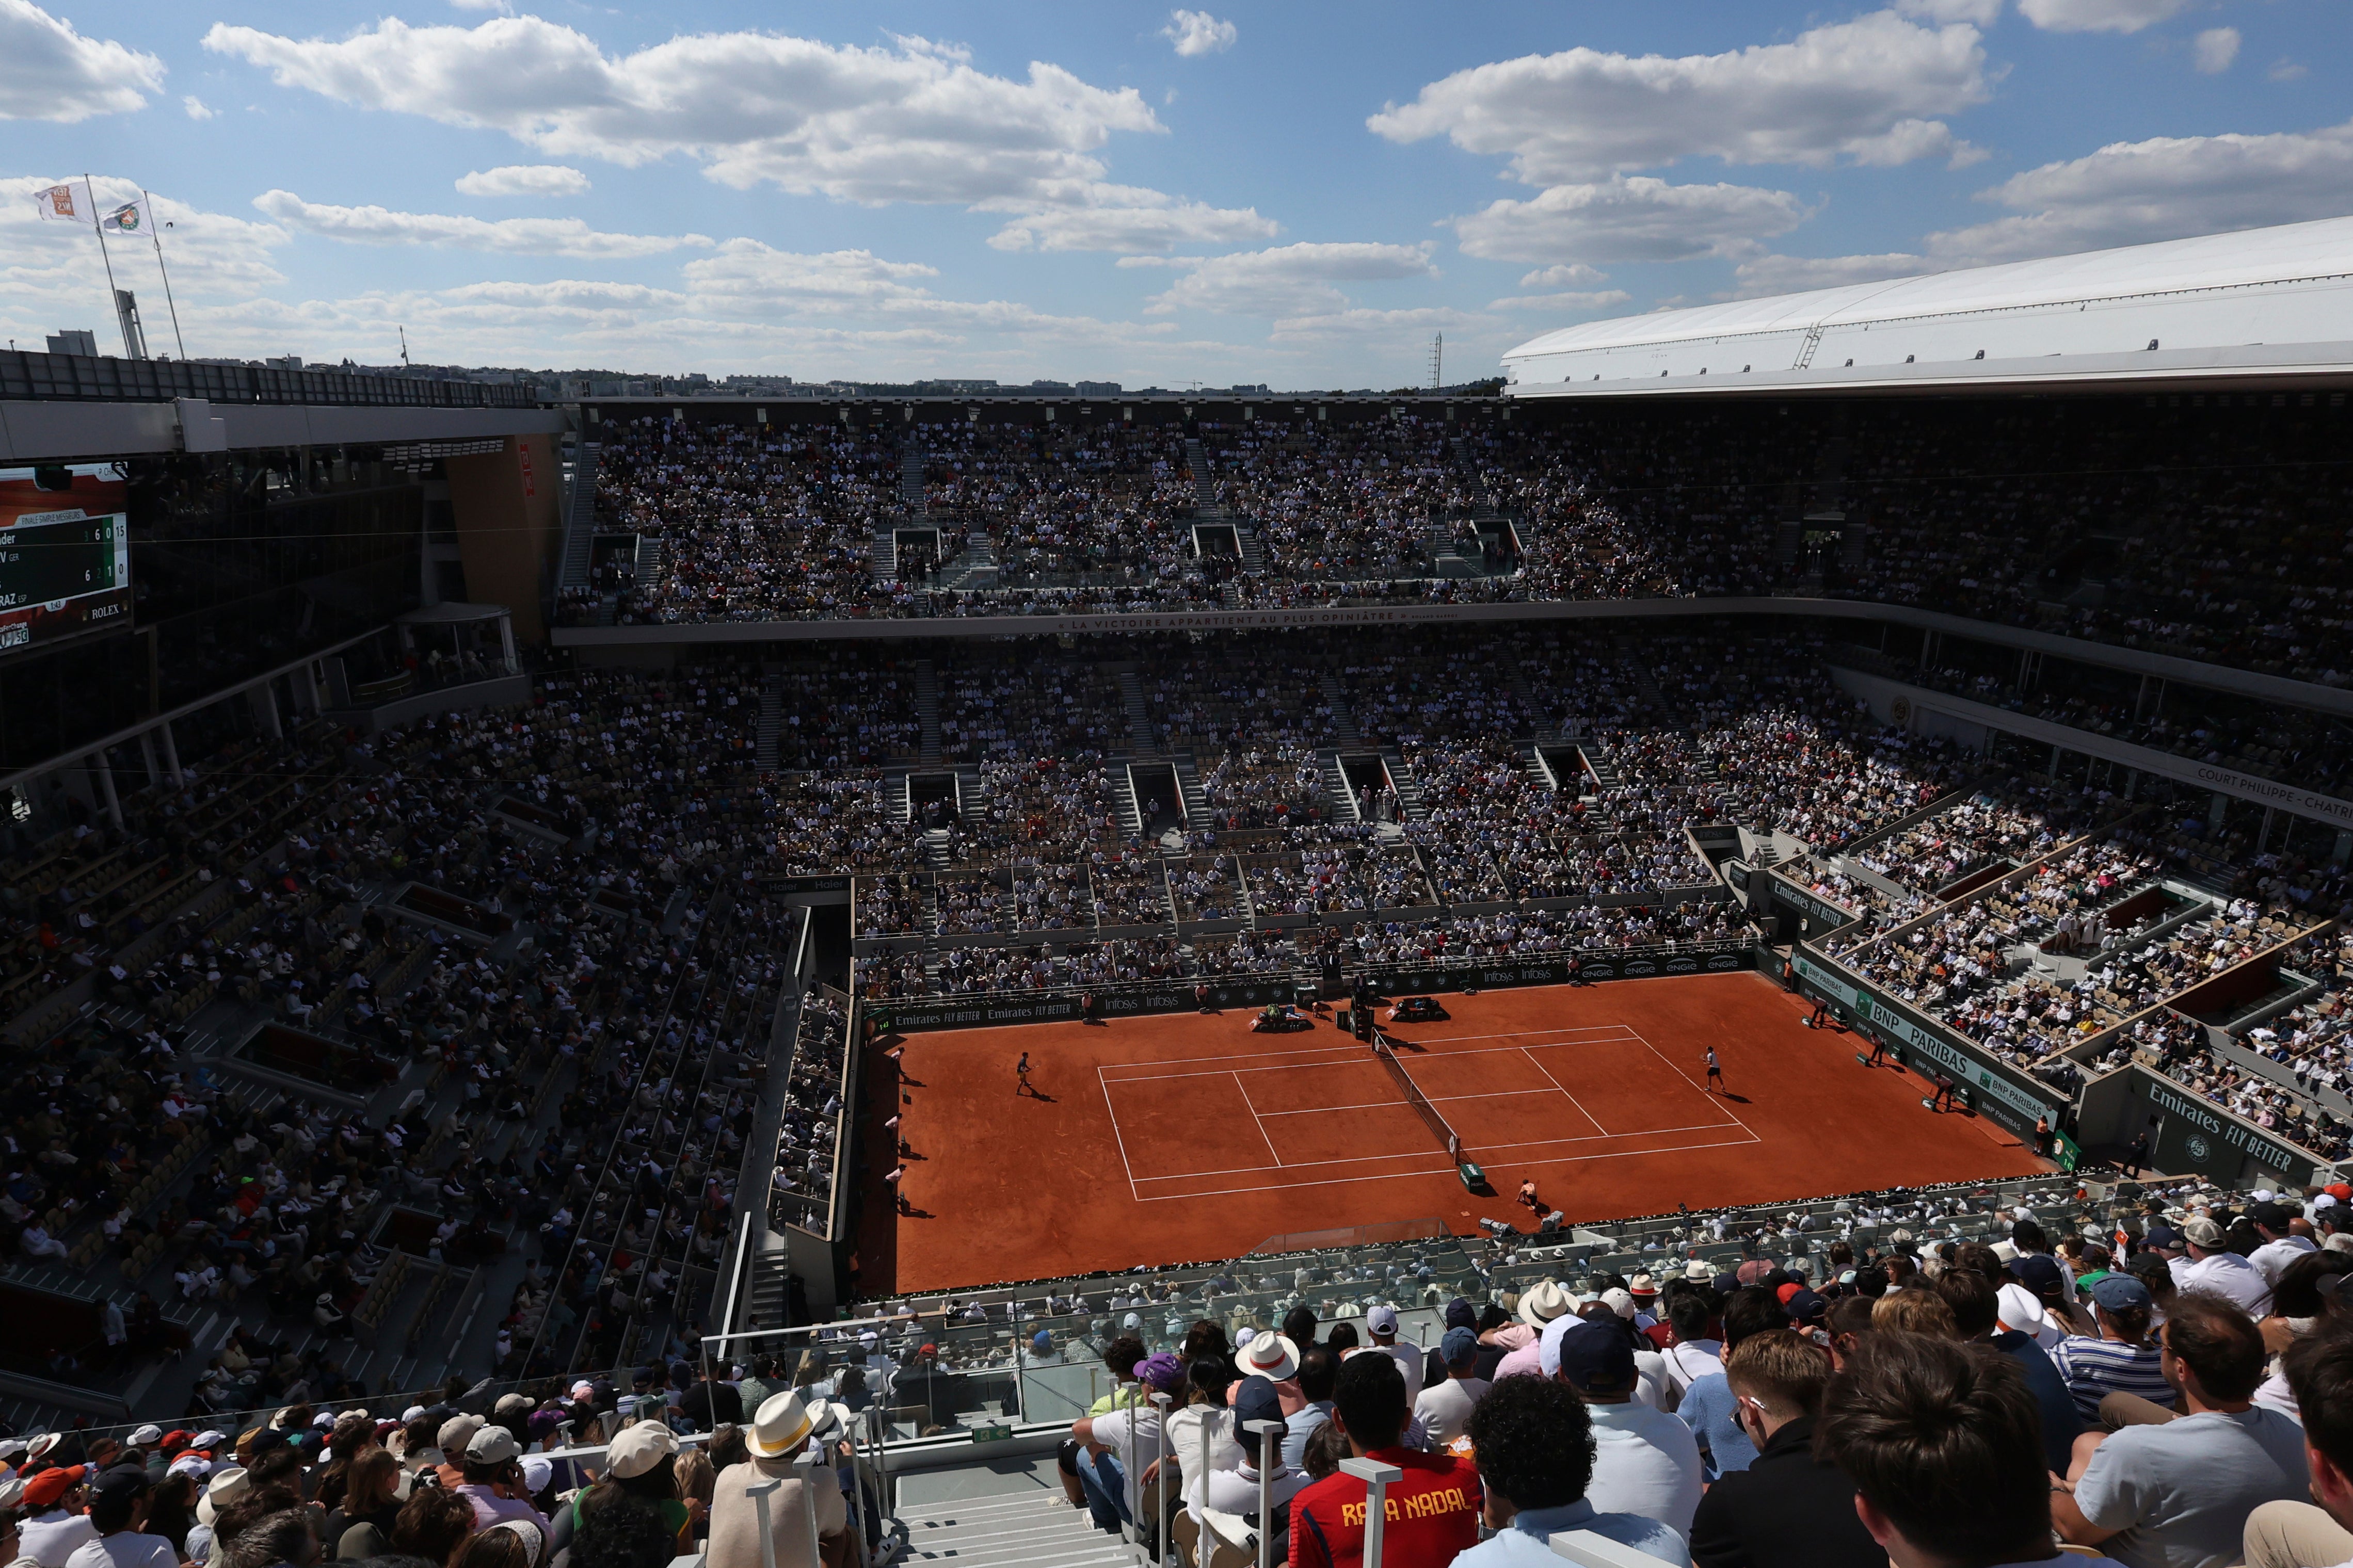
(2004, 1095)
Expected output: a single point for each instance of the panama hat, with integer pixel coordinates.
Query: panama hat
(783, 1423)
(1542, 1302)
(1271, 1356)
(226, 1487)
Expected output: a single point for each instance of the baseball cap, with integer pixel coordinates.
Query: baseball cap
(1593, 1356)
(2203, 1232)
(1462, 1314)
(2162, 1238)
(2269, 1215)
(537, 1471)
(492, 1446)
(1161, 1370)
(457, 1432)
(1382, 1319)
(639, 1449)
(511, 1405)
(1618, 1301)
(1041, 1340)
(1460, 1344)
(123, 1481)
(1805, 1306)
(2120, 1293)
(146, 1436)
(43, 1490)
(1255, 1400)
(2040, 1275)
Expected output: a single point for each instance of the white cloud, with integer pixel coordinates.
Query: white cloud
(1769, 273)
(2215, 49)
(197, 107)
(48, 71)
(912, 122)
(2163, 188)
(1586, 300)
(524, 180)
(1393, 325)
(2099, 16)
(1977, 13)
(1288, 280)
(1857, 91)
(2285, 70)
(1199, 33)
(1561, 276)
(511, 236)
(1628, 218)
(1125, 218)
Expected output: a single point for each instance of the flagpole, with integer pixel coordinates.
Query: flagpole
(110, 290)
(155, 233)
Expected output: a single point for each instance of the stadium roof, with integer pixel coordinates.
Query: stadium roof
(2261, 307)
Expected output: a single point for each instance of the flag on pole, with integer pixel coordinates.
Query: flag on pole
(131, 218)
(58, 202)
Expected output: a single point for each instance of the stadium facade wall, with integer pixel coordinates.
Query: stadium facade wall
(1930, 712)
(666, 640)
(988, 1011)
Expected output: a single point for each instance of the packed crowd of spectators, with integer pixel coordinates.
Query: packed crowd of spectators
(2195, 529)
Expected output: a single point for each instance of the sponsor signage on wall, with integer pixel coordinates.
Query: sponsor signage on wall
(2198, 1136)
(1823, 917)
(2002, 1094)
(984, 1012)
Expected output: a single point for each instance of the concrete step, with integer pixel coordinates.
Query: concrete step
(1039, 1532)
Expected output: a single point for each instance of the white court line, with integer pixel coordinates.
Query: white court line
(1271, 1149)
(1439, 1171)
(1687, 1078)
(1113, 1112)
(1433, 1099)
(1378, 1154)
(1516, 1034)
(1345, 1055)
(1529, 1052)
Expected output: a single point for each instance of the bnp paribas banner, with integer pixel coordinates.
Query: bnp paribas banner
(2009, 1096)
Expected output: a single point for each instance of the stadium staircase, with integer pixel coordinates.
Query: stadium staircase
(974, 567)
(886, 555)
(1122, 800)
(1189, 788)
(580, 518)
(1343, 717)
(910, 477)
(1605, 774)
(1204, 492)
(1410, 806)
(771, 718)
(1038, 1530)
(927, 709)
(1139, 717)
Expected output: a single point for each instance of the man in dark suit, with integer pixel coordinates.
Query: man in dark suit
(1785, 1511)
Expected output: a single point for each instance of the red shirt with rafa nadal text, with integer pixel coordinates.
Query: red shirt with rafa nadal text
(1431, 1513)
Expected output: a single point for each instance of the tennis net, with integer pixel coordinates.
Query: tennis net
(1437, 1124)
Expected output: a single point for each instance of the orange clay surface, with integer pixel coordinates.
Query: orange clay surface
(1179, 1138)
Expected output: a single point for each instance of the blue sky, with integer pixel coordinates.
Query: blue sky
(1299, 194)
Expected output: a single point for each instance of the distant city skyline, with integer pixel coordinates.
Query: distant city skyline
(1294, 195)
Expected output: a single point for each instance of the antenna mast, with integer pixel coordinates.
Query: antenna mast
(1437, 359)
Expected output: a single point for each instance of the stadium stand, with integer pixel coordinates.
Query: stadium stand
(404, 1072)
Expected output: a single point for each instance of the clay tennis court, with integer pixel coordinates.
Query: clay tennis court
(1179, 1137)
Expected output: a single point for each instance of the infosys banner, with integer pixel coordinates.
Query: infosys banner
(2009, 1096)
(1046, 1007)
